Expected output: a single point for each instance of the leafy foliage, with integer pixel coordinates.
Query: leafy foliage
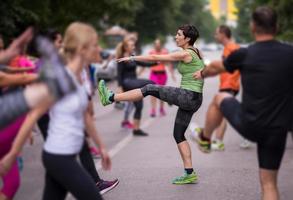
(150, 18)
(284, 11)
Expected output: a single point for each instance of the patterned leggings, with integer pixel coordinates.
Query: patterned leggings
(188, 102)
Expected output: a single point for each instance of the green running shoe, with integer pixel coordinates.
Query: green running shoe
(203, 145)
(186, 179)
(104, 93)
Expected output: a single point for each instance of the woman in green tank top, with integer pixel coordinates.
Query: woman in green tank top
(188, 97)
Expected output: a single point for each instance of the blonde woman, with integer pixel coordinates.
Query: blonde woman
(68, 120)
(127, 79)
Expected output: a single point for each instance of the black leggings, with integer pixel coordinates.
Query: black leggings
(84, 155)
(130, 84)
(187, 101)
(271, 142)
(63, 175)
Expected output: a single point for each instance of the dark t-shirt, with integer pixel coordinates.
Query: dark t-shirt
(127, 70)
(266, 70)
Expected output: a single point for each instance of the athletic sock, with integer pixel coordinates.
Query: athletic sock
(111, 98)
(189, 170)
(204, 138)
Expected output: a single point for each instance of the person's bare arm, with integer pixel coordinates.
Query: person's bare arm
(9, 69)
(176, 56)
(22, 136)
(16, 79)
(213, 69)
(92, 132)
(16, 46)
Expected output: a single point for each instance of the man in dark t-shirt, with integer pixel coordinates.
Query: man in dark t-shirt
(266, 112)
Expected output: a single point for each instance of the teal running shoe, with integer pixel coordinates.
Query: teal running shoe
(104, 93)
(186, 179)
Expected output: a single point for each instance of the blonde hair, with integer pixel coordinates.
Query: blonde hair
(77, 35)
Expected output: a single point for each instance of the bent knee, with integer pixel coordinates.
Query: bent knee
(218, 99)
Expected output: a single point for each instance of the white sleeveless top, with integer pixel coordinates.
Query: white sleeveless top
(66, 126)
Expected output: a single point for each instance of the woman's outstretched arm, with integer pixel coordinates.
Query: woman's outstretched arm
(176, 56)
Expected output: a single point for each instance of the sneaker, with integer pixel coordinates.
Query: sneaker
(218, 145)
(95, 152)
(162, 112)
(153, 113)
(186, 179)
(139, 133)
(197, 136)
(194, 130)
(245, 144)
(127, 124)
(53, 72)
(104, 93)
(105, 186)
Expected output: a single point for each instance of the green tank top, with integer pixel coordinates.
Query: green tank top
(187, 69)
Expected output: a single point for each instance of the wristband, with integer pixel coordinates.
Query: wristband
(131, 58)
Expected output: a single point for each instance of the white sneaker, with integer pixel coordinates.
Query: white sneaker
(218, 145)
(245, 144)
(194, 131)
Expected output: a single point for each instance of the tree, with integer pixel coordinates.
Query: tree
(159, 18)
(18, 14)
(283, 9)
(194, 12)
(150, 18)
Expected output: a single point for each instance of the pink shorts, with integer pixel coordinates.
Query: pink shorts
(159, 78)
(11, 180)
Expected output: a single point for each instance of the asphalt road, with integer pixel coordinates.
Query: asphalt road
(146, 166)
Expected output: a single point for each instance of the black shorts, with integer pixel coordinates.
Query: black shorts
(230, 91)
(270, 142)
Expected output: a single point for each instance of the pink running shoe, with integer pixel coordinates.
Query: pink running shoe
(95, 152)
(153, 113)
(162, 112)
(127, 124)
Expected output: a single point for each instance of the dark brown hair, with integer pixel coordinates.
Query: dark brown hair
(225, 30)
(265, 20)
(191, 32)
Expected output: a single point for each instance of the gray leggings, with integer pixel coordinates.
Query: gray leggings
(188, 102)
(128, 109)
(12, 105)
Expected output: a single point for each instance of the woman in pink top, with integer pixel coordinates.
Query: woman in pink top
(159, 76)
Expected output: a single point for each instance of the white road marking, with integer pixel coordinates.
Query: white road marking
(123, 143)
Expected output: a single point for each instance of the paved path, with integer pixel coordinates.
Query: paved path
(146, 166)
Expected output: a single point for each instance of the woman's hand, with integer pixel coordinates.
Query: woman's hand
(124, 59)
(106, 160)
(198, 75)
(6, 163)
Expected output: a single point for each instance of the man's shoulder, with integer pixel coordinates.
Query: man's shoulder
(286, 46)
(229, 48)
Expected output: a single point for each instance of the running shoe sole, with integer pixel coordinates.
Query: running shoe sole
(185, 182)
(110, 188)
